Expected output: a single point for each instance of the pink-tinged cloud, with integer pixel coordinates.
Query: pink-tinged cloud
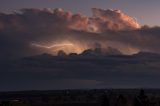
(47, 27)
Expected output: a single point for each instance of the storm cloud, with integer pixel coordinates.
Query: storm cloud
(35, 31)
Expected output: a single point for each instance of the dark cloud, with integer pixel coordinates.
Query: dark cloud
(20, 31)
(52, 72)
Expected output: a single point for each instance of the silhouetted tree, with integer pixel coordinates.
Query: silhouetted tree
(121, 101)
(104, 100)
(153, 101)
(45, 99)
(5, 103)
(141, 99)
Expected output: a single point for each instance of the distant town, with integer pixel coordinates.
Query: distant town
(93, 97)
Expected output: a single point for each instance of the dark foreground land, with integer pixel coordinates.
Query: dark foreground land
(103, 97)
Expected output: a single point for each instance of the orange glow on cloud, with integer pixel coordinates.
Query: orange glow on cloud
(65, 46)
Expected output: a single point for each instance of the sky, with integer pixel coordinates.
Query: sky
(145, 11)
(31, 38)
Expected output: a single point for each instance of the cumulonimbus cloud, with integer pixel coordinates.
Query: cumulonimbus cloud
(46, 27)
